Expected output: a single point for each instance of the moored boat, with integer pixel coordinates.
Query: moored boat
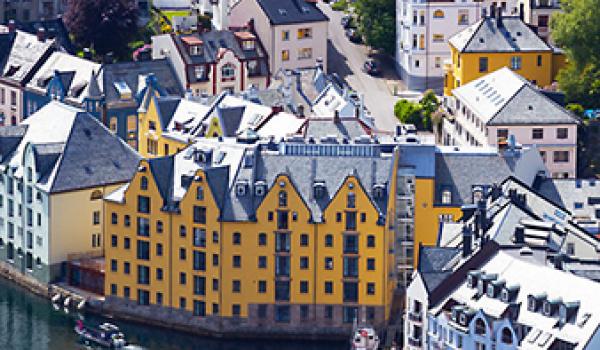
(106, 335)
(365, 338)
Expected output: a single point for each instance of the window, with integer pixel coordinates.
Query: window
(285, 35)
(95, 218)
(438, 62)
(351, 200)
(282, 220)
(537, 134)
(262, 262)
(199, 261)
(113, 241)
(143, 250)
(515, 62)
(350, 221)
(483, 64)
(539, 60)
(422, 41)
(561, 156)
(371, 288)
(446, 197)
(328, 263)
(303, 287)
(282, 199)
(237, 261)
(350, 244)
(199, 285)
(438, 14)
(113, 265)
(282, 313)
(215, 259)
(328, 287)
(199, 193)
(370, 241)
(262, 286)
(199, 72)
(438, 38)
(127, 220)
(228, 72)
(329, 240)
(285, 55)
(114, 218)
(262, 239)
(237, 238)
(507, 336)
(182, 278)
(328, 312)
(143, 227)
(571, 248)
(126, 243)
(199, 308)
(143, 297)
(562, 133)
(199, 215)
(215, 285)
(414, 41)
(143, 183)
(144, 204)
(371, 264)
(236, 286)
(159, 226)
(305, 53)
(543, 21)
(304, 240)
(182, 231)
(480, 327)
(159, 249)
(463, 17)
(143, 274)
(235, 309)
(304, 33)
(159, 274)
(199, 237)
(502, 135)
(304, 262)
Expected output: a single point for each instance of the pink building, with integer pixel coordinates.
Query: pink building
(293, 32)
(502, 104)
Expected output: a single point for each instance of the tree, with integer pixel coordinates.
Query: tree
(430, 104)
(377, 23)
(409, 112)
(577, 30)
(104, 25)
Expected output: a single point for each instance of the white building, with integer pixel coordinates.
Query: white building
(502, 104)
(423, 30)
(537, 13)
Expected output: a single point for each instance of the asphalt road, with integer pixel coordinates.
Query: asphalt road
(346, 59)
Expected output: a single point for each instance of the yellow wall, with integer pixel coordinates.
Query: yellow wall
(71, 222)
(427, 215)
(249, 249)
(164, 146)
(465, 66)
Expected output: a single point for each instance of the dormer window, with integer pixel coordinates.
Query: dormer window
(446, 196)
(505, 296)
(319, 190)
(260, 188)
(248, 45)
(491, 291)
(547, 309)
(463, 319)
(199, 72)
(379, 191)
(123, 90)
(195, 50)
(241, 187)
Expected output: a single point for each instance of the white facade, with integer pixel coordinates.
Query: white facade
(537, 13)
(423, 30)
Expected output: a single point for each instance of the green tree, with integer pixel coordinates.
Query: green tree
(577, 30)
(430, 104)
(409, 112)
(377, 23)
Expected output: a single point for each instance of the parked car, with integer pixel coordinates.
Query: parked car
(353, 36)
(370, 67)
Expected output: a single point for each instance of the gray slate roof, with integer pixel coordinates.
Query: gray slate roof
(10, 137)
(230, 119)
(92, 157)
(25, 56)
(530, 107)
(166, 108)
(130, 73)
(486, 35)
(291, 11)
(322, 127)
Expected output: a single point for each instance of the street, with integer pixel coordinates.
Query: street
(346, 59)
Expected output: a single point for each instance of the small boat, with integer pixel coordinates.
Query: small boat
(106, 335)
(365, 338)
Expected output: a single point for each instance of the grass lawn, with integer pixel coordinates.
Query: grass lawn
(171, 14)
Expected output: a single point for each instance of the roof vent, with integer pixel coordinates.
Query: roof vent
(481, 40)
(241, 188)
(530, 107)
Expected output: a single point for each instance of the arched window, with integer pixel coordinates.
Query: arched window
(228, 72)
(507, 336)
(438, 14)
(282, 199)
(479, 327)
(144, 183)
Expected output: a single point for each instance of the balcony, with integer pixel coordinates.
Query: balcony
(414, 342)
(415, 316)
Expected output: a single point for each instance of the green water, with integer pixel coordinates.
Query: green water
(29, 322)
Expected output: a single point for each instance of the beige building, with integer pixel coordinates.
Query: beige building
(216, 61)
(294, 32)
(32, 10)
(51, 190)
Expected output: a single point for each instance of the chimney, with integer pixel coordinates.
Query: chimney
(519, 234)
(467, 245)
(41, 34)
(336, 116)
(522, 11)
(558, 261)
(492, 10)
(12, 26)
(499, 17)
(300, 111)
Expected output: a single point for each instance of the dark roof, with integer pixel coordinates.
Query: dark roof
(6, 42)
(166, 108)
(94, 89)
(230, 119)
(291, 11)
(130, 73)
(349, 128)
(46, 155)
(55, 29)
(435, 259)
(10, 137)
(162, 170)
(66, 78)
(112, 162)
(26, 55)
(510, 34)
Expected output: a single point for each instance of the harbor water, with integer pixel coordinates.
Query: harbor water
(29, 322)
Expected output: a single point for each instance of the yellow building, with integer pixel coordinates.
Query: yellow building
(496, 42)
(276, 240)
